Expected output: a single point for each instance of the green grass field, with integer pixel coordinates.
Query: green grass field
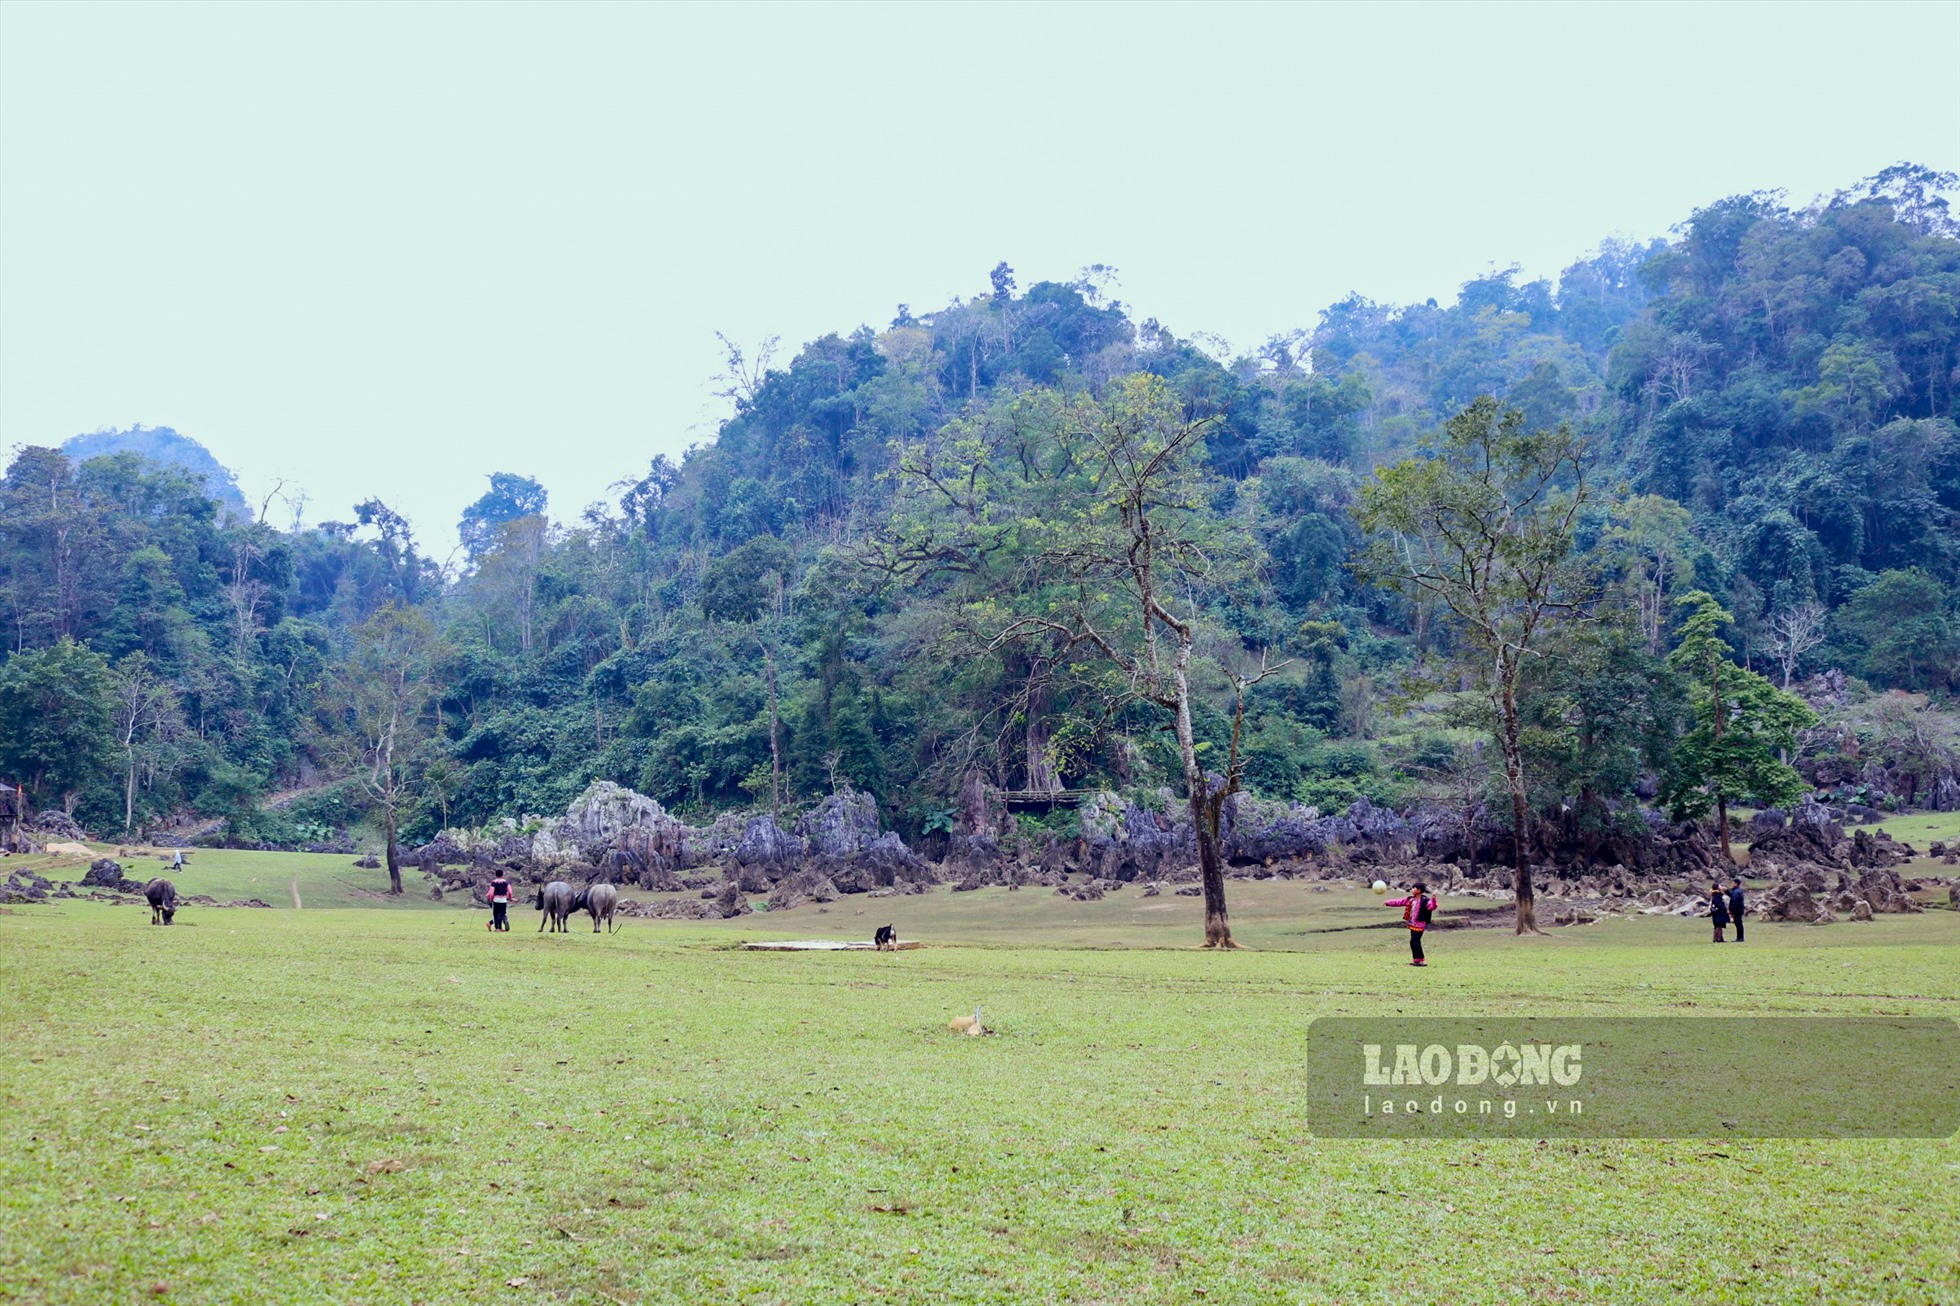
(1922, 828)
(321, 879)
(344, 1104)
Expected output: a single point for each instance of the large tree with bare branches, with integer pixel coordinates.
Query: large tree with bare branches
(378, 715)
(1483, 523)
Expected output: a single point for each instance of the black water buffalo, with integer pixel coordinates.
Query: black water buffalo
(600, 900)
(556, 901)
(163, 900)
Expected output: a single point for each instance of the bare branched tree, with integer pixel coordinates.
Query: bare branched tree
(1793, 633)
(742, 373)
(379, 710)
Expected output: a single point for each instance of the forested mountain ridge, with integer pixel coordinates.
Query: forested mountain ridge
(167, 448)
(1770, 394)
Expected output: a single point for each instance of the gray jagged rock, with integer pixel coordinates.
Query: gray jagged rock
(1262, 831)
(1767, 824)
(732, 902)
(443, 850)
(673, 909)
(799, 887)
(627, 835)
(884, 862)
(24, 886)
(1121, 841)
(976, 860)
(764, 847)
(57, 826)
(1789, 900)
(840, 825)
(103, 873)
(1882, 889)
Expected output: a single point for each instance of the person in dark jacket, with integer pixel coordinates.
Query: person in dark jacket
(500, 903)
(1718, 909)
(1735, 907)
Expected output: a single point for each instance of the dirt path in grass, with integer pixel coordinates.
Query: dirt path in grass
(295, 888)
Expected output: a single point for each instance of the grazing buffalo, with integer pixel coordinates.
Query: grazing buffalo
(555, 900)
(600, 900)
(163, 900)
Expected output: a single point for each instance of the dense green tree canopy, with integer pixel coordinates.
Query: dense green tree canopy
(1768, 395)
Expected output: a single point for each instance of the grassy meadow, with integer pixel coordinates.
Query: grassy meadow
(367, 1102)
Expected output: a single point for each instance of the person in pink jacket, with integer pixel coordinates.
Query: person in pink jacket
(1417, 910)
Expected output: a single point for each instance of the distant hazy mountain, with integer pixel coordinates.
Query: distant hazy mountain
(160, 444)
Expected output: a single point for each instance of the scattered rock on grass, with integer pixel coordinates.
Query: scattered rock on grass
(103, 873)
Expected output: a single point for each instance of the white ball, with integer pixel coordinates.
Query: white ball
(1379, 886)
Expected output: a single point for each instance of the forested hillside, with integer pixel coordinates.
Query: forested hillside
(166, 448)
(867, 576)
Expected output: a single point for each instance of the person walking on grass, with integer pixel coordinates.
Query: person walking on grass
(500, 904)
(1735, 906)
(1718, 909)
(1417, 910)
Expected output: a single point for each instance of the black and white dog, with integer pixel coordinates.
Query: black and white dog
(886, 939)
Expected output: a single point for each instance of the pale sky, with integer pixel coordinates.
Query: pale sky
(387, 249)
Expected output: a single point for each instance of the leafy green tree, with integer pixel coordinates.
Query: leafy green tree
(1741, 727)
(1852, 384)
(150, 615)
(56, 723)
(503, 591)
(1086, 533)
(1601, 715)
(742, 585)
(1485, 526)
(510, 498)
(1901, 629)
(1651, 546)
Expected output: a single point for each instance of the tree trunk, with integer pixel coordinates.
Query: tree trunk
(129, 796)
(1721, 799)
(1514, 781)
(1204, 815)
(1211, 872)
(394, 857)
(1041, 777)
(775, 746)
